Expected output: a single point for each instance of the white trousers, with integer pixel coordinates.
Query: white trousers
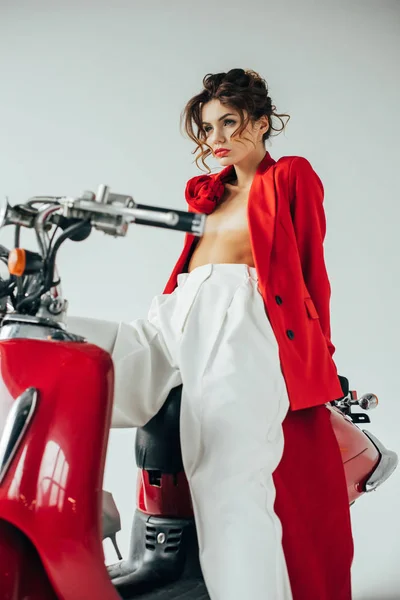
(213, 336)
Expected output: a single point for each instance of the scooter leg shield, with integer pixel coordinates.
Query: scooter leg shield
(22, 575)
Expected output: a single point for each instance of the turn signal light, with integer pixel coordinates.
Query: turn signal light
(17, 261)
(24, 262)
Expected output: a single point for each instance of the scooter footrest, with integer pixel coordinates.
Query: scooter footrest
(162, 550)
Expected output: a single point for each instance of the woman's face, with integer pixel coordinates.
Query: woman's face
(220, 122)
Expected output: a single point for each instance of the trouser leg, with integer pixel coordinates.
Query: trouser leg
(233, 406)
(144, 357)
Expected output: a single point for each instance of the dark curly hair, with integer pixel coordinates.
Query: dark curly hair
(243, 90)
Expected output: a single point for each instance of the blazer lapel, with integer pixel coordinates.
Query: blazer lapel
(262, 210)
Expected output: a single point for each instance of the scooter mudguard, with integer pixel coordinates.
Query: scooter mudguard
(55, 413)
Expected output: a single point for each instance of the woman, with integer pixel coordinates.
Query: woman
(244, 324)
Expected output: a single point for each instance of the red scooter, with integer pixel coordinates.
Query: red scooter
(56, 397)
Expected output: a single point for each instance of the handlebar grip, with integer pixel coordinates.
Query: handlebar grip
(193, 223)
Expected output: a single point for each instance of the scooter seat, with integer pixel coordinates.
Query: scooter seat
(158, 445)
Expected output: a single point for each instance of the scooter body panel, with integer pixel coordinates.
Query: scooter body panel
(359, 455)
(52, 488)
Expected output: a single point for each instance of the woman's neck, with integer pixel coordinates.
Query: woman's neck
(243, 172)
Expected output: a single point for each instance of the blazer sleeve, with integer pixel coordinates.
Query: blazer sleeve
(308, 215)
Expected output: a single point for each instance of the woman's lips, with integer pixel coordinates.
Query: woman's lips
(221, 152)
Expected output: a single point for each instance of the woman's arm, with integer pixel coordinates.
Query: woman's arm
(308, 215)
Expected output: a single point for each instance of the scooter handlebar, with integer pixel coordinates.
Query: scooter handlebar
(108, 212)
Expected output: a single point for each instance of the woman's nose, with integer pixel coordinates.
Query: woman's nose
(217, 137)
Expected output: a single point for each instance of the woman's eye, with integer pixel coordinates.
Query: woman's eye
(207, 128)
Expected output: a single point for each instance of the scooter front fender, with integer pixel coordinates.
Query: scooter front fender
(51, 490)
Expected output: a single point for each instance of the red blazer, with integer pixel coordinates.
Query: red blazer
(287, 228)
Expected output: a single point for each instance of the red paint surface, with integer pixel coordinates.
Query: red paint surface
(51, 494)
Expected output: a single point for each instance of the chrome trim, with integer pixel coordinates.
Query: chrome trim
(31, 320)
(199, 224)
(17, 421)
(28, 327)
(387, 464)
(26, 331)
(36, 328)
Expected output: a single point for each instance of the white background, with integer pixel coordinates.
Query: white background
(91, 92)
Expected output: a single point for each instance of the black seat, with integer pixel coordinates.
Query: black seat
(158, 445)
